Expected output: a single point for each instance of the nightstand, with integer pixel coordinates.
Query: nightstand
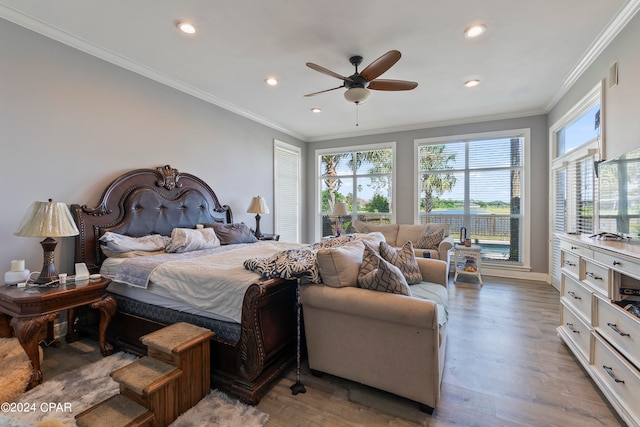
(275, 237)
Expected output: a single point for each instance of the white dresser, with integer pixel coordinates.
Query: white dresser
(597, 278)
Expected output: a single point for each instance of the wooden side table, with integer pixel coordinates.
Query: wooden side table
(29, 310)
(468, 261)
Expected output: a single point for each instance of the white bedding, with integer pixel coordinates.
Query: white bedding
(214, 282)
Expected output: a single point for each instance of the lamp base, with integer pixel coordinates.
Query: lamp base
(48, 273)
(258, 233)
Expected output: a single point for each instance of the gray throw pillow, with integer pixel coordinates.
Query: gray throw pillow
(403, 258)
(380, 275)
(233, 233)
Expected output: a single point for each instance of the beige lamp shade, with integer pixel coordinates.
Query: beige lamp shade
(258, 205)
(47, 219)
(340, 209)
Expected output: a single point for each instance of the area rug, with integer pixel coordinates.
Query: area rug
(15, 369)
(75, 391)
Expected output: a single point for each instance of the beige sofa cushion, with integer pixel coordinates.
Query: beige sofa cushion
(389, 231)
(339, 266)
(412, 233)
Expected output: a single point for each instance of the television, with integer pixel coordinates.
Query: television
(619, 194)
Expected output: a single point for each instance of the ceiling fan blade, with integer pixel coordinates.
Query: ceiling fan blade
(380, 65)
(323, 91)
(327, 72)
(382, 84)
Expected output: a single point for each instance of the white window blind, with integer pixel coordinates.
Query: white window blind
(287, 192)
(477, 184)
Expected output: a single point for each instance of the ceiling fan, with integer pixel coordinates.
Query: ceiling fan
(359, 83)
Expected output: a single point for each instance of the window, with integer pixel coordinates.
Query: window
(287, 187)
(362, 177)
(476, 182)
(575, 146)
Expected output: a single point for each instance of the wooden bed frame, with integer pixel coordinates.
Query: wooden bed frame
(147, 201)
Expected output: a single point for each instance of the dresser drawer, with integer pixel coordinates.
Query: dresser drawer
(619, 328)
(577, 249)
(570, 263)
(575, 330)
(616, 374)
(577, 296)
(597, 277)
(619, 263)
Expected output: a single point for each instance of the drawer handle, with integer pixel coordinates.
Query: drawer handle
(569, 263)
(609, 370)
(618, 331)
(572, 328)
(617, 263)
(593, 275)
(573, 294)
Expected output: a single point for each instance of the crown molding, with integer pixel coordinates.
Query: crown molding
(75, 42)
(627, 12)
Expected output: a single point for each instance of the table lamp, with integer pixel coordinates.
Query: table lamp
(340, 210)
(47, 219)
(258, 206)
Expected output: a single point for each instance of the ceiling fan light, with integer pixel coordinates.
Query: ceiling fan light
(356, 94)
(186, 27)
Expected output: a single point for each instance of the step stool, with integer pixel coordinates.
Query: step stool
(154, 384)
(186, 347)
(116, 411)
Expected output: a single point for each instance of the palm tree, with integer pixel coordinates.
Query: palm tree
(434, 158)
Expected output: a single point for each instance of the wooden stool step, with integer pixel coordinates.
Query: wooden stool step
(116, 411)
(187, 347)
(154, 384)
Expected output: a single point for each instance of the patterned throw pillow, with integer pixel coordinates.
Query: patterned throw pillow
(379, 275)
(403, 258)
(430, 239)
(287, 264)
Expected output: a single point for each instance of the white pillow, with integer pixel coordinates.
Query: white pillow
(189, 239)
(339, 266)
(120, 243)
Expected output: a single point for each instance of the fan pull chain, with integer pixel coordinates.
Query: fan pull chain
(357, 104)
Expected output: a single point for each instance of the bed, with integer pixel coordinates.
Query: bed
(248, 353)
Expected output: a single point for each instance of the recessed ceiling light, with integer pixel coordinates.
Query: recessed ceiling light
(316, 110)
(474, 31)
(472, 83)
(271, 81)
(186, 27)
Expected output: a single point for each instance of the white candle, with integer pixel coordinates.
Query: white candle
(17, 265)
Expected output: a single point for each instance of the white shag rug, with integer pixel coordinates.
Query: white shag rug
(65, 396)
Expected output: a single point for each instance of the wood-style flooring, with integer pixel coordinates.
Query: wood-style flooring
(505, 366)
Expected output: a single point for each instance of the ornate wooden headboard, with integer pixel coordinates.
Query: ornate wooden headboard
(142, 202)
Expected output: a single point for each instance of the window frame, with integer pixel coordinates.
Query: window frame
(525, 208)
(594, 148)
(318, 153)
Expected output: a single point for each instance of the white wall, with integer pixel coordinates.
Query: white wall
(70, 123)
(622, 103)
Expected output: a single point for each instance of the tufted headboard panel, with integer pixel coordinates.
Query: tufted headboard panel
(142, 202)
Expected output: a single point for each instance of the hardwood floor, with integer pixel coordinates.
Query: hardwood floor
(505, 366)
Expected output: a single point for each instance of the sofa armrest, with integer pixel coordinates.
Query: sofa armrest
(434, 270)
(381, 306)
(444, 247)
